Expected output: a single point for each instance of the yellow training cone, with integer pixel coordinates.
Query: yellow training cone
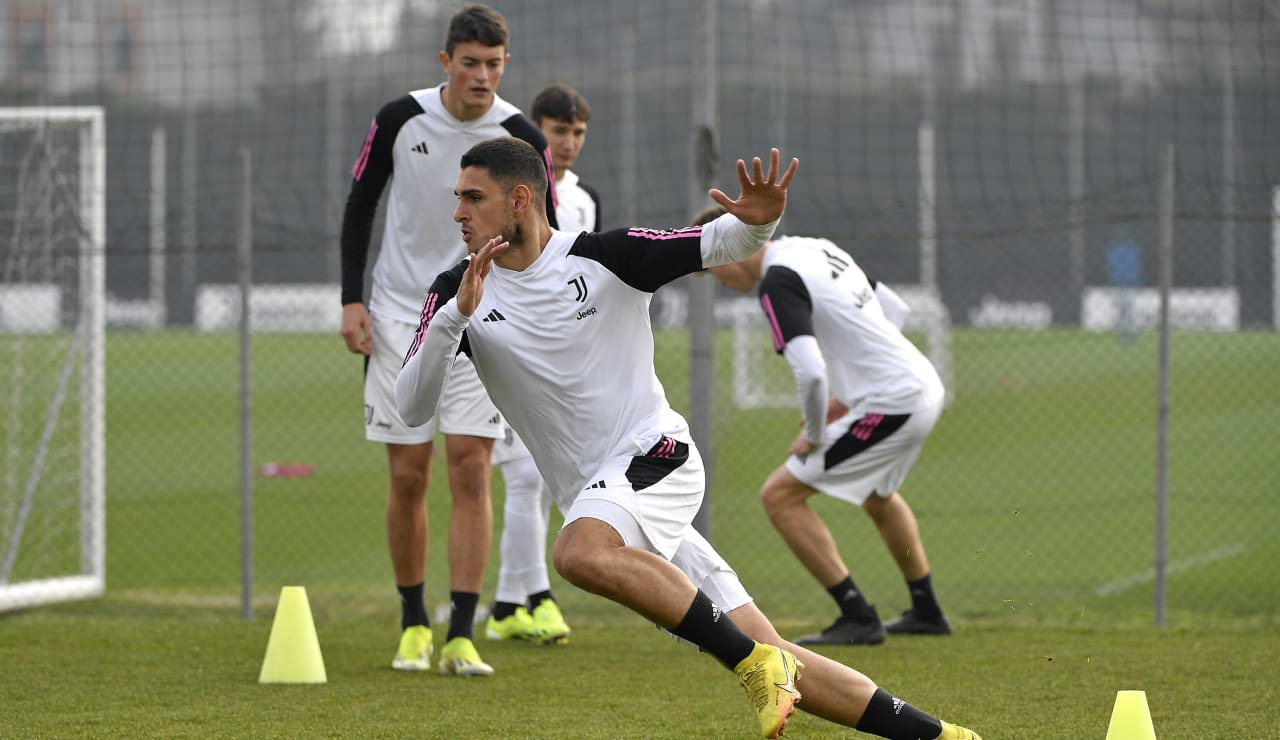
(293, 651)
(1131, 718)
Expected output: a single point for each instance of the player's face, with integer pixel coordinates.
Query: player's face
(565, 140)
(474, 71)
(483, 210)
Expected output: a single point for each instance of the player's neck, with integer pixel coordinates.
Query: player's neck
(462, 111)
(525, 252)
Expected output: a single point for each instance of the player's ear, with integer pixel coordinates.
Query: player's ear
(520, 198)
(444, 60)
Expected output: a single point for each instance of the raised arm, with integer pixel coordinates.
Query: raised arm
(749, 220)
(763, 198)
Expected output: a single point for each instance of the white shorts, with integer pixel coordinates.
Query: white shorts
(710, 572)
(864, 453)
(649, 499)
(465, 408)
(509, 447)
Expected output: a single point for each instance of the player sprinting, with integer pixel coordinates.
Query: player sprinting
(869, 400)
(557, 325)
(524, 607)
(413, 145)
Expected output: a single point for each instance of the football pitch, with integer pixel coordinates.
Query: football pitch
(1035, 495)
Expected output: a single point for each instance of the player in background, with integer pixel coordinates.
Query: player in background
(869, 399)
(562, 114)
(524, 607)
(557, 325)
(411, 151)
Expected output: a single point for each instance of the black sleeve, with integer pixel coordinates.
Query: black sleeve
(442, 290)
(787, 305)
(595, 198)
(369, 177)
(645, 259)
(522, 128)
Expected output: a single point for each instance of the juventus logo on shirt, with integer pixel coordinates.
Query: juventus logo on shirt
(580, 284)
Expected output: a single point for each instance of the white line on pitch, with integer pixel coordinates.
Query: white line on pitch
(1177, 566)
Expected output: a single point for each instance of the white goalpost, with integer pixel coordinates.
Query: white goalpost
(52, 334)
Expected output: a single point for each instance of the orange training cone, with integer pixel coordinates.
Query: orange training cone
(1131, 717)
(293, 650)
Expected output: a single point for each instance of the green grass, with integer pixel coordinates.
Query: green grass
(1035, 496)
(102, 670)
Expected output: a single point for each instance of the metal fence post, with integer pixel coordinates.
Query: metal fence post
(244, 270)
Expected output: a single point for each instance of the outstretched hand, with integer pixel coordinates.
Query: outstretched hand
(763, 199)
(471, 289)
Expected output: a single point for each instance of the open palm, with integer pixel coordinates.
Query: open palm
(763, 198)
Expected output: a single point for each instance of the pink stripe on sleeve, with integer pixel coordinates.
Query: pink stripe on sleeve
(428, 311)
(551, 177)
(358, 170)
(774, 329)
(664, 234)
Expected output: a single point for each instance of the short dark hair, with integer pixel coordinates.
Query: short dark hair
(478, 23)
(559, 102)
(511, 162)
(708, 214)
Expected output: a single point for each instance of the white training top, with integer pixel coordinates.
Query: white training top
(565, 347)
(812, 288)
(579, 209)
(416, 144)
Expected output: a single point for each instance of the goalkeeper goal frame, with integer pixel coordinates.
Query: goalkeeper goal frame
(88, 343)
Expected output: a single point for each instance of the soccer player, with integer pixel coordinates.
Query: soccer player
(413, 145)
(869, 399)
(562, 114)
(557, 325)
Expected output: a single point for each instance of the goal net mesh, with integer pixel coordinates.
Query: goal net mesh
(50, 356)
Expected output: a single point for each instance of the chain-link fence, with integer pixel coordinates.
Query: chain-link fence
(1001, 161)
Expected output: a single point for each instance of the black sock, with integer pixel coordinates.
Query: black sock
(923, 602)
(504, 609)
(706, 626)
(538, 598)
(852, 603)
(413, 611)
(462, 612)
(895, 719)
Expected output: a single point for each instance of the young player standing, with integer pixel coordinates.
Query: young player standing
(562, 114)
(412, 151)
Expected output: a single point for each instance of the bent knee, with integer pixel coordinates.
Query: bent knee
(782, 491)
(584, 567)
(578, 568)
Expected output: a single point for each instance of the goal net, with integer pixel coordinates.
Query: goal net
(52, 219)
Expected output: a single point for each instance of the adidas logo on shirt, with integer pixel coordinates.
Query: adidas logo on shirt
(494, 316)
(421, 148)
